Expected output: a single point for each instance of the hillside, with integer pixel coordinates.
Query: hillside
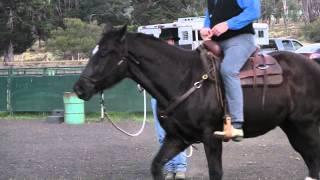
(39, 57)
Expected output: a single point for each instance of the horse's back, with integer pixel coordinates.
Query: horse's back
(296, 98)
(300, 74)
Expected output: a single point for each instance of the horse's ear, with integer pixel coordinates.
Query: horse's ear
(107, 27)
(123, 33)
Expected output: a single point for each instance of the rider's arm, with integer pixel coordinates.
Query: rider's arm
(251, 12)
(206, 19)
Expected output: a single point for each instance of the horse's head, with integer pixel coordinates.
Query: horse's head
(106, 65)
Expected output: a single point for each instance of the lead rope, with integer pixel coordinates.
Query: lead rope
(119, 128)
(104, 115)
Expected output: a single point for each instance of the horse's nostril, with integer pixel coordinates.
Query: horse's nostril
(77, 90)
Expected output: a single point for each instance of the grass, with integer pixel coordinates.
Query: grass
(90, 117)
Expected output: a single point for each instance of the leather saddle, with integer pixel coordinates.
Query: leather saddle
(258, 70)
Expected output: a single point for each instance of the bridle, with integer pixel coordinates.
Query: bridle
(127, 55)
(211, 73)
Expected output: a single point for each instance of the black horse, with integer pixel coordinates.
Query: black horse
(167, 72)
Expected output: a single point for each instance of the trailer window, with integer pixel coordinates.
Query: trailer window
(185, 35)
(260, 34)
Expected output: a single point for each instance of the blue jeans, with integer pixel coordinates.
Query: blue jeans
(236, 52)
(179, 162)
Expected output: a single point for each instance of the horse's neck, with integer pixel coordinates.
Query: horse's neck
(164, 71)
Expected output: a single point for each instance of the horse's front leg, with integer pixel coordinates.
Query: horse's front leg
(213, 149)
(169, 149)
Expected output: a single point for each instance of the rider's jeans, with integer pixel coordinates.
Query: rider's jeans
(236, 52)
(179, 162)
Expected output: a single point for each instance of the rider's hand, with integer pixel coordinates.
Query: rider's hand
(220, 28)
(206, 34)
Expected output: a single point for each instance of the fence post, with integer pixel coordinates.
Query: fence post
(9, 82)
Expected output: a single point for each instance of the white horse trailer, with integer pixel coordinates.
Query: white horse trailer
(188, 30)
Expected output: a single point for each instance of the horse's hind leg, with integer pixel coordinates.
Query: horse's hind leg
(169, 149)
(305, 139)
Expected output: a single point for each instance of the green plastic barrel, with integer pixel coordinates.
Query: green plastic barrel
(73, 109)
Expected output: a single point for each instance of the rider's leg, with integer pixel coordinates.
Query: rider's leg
(236, 52)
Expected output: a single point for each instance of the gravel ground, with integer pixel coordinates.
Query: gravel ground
(38, 150)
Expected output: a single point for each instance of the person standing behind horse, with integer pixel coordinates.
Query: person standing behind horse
(230, 23)
(177, 166)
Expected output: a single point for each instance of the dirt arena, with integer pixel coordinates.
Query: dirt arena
(38, 150)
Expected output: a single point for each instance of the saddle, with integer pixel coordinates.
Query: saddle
(259, 69)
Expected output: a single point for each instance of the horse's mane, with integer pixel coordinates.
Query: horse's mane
(145, 36)
(186, 56)
(152, 38)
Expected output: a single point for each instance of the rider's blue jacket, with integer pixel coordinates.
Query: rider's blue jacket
(251, 11)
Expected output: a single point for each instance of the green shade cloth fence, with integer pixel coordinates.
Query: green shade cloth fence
(42, 89)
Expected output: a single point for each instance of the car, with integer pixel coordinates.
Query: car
(281, 44)
(312, 51)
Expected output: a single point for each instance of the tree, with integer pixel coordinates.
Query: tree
(155, 11)
(311, 31)
(311, 9)
(285, 9)
(16, 33)
(117, 12)
(21, 23)
(65, 8)
(76, 38)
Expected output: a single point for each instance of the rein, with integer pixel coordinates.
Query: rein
(211, 73)
(177, 101)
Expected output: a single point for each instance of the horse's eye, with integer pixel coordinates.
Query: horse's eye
(103, 53)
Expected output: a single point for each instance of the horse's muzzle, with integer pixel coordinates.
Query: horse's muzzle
(82, 90)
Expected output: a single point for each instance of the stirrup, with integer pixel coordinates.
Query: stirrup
(229, 132)
(169, 176)
(235, 135)
(180, 176)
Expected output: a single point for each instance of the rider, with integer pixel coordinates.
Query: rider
(176, 167)
(230, 24)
